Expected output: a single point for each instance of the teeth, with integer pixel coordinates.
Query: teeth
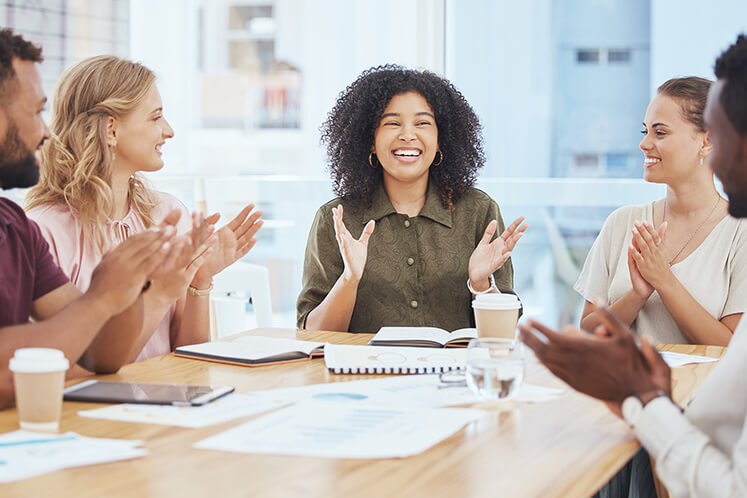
(408, 153)
(651, 160)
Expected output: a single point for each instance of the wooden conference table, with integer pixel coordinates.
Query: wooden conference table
(566, 447)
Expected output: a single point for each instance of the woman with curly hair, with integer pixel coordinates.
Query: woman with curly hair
(109, 127)
(409, 228)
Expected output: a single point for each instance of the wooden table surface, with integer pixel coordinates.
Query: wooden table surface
(566, 447)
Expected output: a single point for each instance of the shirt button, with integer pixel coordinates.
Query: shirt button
(413, 304)
(407, 223)
(410, 261)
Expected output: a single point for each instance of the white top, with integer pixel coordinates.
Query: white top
(64, 233)
(715, 273)
(703, 452)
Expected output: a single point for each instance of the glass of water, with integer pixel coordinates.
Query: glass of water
(495, 367)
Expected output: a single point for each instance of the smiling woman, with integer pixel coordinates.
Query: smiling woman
(109, 128)
(409, 228)
(675, 269)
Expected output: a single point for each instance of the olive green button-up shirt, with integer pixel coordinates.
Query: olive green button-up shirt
(416, 271)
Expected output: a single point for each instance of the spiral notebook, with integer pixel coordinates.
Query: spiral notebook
(346, 359)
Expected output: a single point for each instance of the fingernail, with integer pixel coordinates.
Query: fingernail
(166, 246)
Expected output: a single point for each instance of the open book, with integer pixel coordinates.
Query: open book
(426, 337)
(349, 359)
(252, 350)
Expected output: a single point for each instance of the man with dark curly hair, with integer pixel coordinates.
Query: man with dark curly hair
(404, 149)
(701, 451)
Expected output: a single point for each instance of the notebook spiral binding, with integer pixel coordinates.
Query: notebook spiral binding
(395, 370)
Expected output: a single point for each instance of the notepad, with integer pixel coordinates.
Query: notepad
(427, 337)
(252, 350)
(346, 359)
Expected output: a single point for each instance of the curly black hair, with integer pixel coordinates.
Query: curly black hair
(349, 130)
(14, 46)
(731, 67)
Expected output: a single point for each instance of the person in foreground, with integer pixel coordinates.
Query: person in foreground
(96, 329)
(701, 451)
(410, 237)
(109, 126)
(674, 269)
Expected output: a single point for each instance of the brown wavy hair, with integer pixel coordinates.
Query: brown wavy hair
(76, 165)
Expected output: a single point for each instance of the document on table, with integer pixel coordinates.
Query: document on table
(343, 430)
(679, 359)
(26, 454)
(224, 409)
(407, 391)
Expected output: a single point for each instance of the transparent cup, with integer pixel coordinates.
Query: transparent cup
(495, 367)
(38, 378)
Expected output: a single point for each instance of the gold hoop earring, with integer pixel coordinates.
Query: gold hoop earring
(440, 158)
(370, 159)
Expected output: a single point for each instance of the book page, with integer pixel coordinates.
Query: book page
(412, 333)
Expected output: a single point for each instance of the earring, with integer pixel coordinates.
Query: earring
(112, 151)
(440, 158)
(701, 160)
(371, 155)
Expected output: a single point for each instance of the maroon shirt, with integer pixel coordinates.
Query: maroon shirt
(27, 271)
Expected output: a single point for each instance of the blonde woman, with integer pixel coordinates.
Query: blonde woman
(675, 269)
(108, 127)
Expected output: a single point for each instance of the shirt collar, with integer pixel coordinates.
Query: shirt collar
(381, 206)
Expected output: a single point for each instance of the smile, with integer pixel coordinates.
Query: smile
(407, 154)
(650, 161)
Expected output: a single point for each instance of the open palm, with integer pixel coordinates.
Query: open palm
(354, 252)
(489, 256)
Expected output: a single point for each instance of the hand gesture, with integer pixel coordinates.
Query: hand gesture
(608, 366)
(647, 252)
(354, 252)
(122, 273)
(489, 256)
(232, 242)
(195, 247)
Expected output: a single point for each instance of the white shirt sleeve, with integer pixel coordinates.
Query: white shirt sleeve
(687, 462)
(594, 281)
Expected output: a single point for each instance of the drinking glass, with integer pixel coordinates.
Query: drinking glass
(495, 367)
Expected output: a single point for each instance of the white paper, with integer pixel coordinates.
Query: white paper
(401, 391)
(344, 430)
(345, 358)
(221, 410)
(25, 454)
(679, 359)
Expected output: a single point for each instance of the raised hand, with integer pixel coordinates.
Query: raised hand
(489, 256)
(232, 242)
(185, 248)
(648, 254)
(354, 252)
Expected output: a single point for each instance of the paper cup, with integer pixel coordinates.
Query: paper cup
(496, 315)
(39, 377)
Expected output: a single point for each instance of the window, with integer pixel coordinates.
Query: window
(587, 56)
(618, 56)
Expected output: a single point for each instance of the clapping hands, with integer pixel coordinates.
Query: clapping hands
(354, 252)
(647, 259)
(489, 256)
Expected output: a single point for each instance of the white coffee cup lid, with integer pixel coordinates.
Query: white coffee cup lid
(38, 360)
(496, 301)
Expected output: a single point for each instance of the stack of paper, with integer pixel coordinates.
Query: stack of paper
(344, 430)
(679, 359)
(27, 454)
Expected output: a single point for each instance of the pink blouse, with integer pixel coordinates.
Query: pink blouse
(78, 260)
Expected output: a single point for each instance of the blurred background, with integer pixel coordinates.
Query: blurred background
(560, 86)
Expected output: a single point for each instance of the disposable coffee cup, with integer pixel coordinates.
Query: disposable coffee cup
(496, 315)
(39, 377)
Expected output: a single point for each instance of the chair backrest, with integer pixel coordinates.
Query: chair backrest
(229, 298)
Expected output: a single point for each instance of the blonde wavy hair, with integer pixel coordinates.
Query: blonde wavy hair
(76, 164)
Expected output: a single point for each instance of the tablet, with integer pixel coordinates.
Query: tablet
(151, 394)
